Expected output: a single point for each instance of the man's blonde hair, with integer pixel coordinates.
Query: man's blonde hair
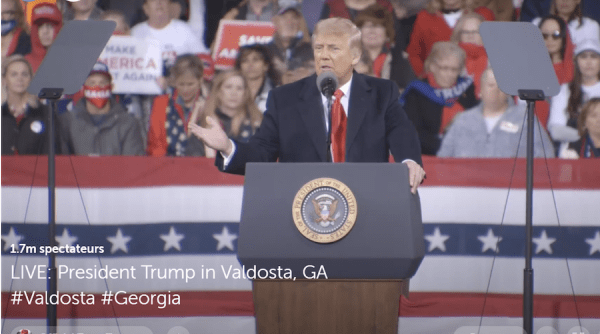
(342, 27)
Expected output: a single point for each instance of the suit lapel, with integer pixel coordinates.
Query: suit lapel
(358, 106)
(313, 115)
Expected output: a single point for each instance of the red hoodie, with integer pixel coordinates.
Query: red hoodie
(42, 13)
(476, 62)
(428, 29)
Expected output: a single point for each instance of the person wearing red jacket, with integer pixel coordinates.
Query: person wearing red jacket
(46, 22)
(348, 9)
(434, 24)
(466, 35)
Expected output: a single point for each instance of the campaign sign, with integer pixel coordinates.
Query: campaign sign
(233, 34)
(134, 64)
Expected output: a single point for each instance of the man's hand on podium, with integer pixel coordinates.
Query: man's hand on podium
(212, 136)
(416, 174)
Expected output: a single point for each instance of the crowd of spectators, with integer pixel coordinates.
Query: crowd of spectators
(431, 49)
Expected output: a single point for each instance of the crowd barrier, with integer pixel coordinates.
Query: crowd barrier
(183, 214)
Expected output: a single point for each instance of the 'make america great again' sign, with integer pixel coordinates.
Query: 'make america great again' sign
(134, 64)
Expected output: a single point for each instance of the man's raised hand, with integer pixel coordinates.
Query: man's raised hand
(212, 135)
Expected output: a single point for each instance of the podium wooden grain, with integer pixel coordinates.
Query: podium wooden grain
(327, 306)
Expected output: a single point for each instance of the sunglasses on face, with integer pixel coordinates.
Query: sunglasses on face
(555, 35)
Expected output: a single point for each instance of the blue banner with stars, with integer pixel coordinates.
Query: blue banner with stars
(221, 238)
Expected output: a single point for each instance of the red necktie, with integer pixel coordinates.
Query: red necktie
(338, 128)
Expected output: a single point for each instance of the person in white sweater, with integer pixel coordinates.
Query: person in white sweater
(580, 28)
(565, 107)
(175, 36)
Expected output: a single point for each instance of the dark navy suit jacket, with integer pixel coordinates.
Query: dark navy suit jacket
(293, 127)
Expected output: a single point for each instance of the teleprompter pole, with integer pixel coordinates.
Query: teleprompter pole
(65, 67)
(51, 94)
(530, 96)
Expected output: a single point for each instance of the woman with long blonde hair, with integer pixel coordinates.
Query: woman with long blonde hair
(231, 104)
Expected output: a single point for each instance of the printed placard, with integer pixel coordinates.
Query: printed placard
(134, 64)
(233, 34)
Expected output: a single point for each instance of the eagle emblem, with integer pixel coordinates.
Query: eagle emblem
(325, 207)
(324, 210)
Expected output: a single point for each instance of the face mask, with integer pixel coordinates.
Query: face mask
(98, 96)
(8, 26)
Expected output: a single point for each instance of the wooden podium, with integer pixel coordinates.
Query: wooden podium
(327, 306)
(367, 270)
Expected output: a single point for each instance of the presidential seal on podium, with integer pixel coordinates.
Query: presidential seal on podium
(324, 210)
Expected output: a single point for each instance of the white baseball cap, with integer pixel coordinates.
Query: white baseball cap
(588, 45)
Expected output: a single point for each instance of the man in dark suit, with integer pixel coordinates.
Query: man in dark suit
(294, 127)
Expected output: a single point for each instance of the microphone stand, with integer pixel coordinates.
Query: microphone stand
(329, 104)
(327, 84)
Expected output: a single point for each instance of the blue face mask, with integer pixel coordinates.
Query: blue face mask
(8, 26)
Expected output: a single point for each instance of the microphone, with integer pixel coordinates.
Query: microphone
(328, 83)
